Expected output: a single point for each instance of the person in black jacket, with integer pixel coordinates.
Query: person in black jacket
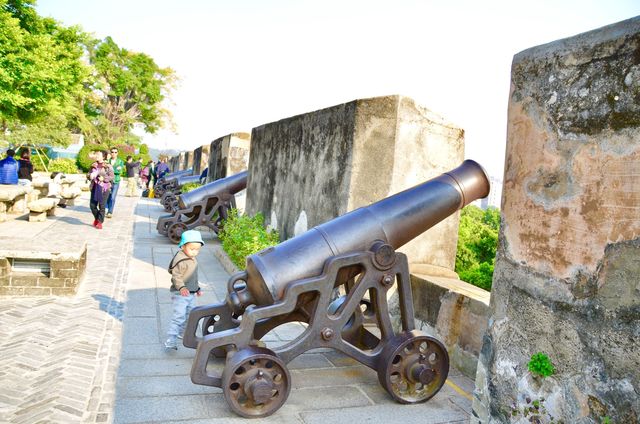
(25, 167)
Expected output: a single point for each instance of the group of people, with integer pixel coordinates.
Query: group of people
(14, 171)
(105, 176)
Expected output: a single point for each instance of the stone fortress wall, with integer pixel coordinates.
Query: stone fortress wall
(566, 274)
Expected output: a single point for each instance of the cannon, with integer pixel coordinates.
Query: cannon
(207, 205)
(162, 183)
(169, 199)
(335, 278)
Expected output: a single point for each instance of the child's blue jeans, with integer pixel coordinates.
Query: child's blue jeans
(182, 306)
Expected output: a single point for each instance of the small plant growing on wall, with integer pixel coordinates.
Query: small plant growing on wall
(540, 365)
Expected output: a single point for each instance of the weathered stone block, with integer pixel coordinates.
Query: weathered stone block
(36, 291)
(25, 280)
(11, 291)
(228, 155)
(201, 159)
(63, 291)
(65, 273)
(311, 168)
(71, 282)
(60, 265)
(51, 282)
(566, 273)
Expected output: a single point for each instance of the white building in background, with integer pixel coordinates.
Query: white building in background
(495, 195)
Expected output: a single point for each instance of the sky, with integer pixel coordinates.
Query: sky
(245, 63)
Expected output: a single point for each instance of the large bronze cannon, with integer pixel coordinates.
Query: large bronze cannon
(169, 199)
(162, 183)
(335, 278)
(207, 205)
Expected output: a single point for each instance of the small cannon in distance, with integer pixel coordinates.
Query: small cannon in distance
(169, 199)
(161, 185)
(335, 278)
(207, 205)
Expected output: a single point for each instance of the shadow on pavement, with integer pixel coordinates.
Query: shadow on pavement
(110, 305)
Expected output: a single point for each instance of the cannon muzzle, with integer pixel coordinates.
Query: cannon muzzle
(395, 221)
(231, 185)
(187, 179)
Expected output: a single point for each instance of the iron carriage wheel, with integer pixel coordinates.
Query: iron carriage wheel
(255, 382)
(175, 231)
(413, 367)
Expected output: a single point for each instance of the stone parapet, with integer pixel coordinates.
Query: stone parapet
(34, 272)
(308, 169)
(201, 159)
(566, 273)
(228, 155)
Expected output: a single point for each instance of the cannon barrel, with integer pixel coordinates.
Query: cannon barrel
(174, 175)
(231, 184)
(395, 220)
(187, 179)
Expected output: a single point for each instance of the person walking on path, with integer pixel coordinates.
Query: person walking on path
(25, 168)
(184, 285)
(118, 167)
(151, 174)
(101, 176)
(162, 169)
(132, 176)
(9, 169)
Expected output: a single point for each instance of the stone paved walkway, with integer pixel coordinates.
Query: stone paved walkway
(98, 357)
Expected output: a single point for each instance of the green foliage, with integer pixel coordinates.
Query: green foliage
(129, 88)
(41, 75)
(83, 160)
(190, 186)
(477, 243)
(144, 149)
(242, 236)
(64, 165)
(541, 365)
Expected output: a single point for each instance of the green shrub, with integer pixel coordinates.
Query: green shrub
(83, 160)
(541, 365)
(37, 161)
(190, 186)
(144, 149)
(477, 244)
(64, 165)
(242, 236)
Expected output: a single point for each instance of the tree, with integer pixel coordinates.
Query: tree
(129, 89)
(477, 243)
(42, 75)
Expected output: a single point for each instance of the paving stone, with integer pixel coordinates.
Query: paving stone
(175, 385)
(153, 409)
(141, 303)
(140, 331)
(333, 377)
(424, 413)
(145, 368)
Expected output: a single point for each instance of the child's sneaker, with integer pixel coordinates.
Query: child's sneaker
(171, 344)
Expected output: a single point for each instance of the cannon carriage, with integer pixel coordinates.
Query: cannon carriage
(169, 199)
(334, 278)
(207, 205)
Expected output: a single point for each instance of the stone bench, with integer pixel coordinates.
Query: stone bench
(69, 193)
(40, 209)
(13, 199)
